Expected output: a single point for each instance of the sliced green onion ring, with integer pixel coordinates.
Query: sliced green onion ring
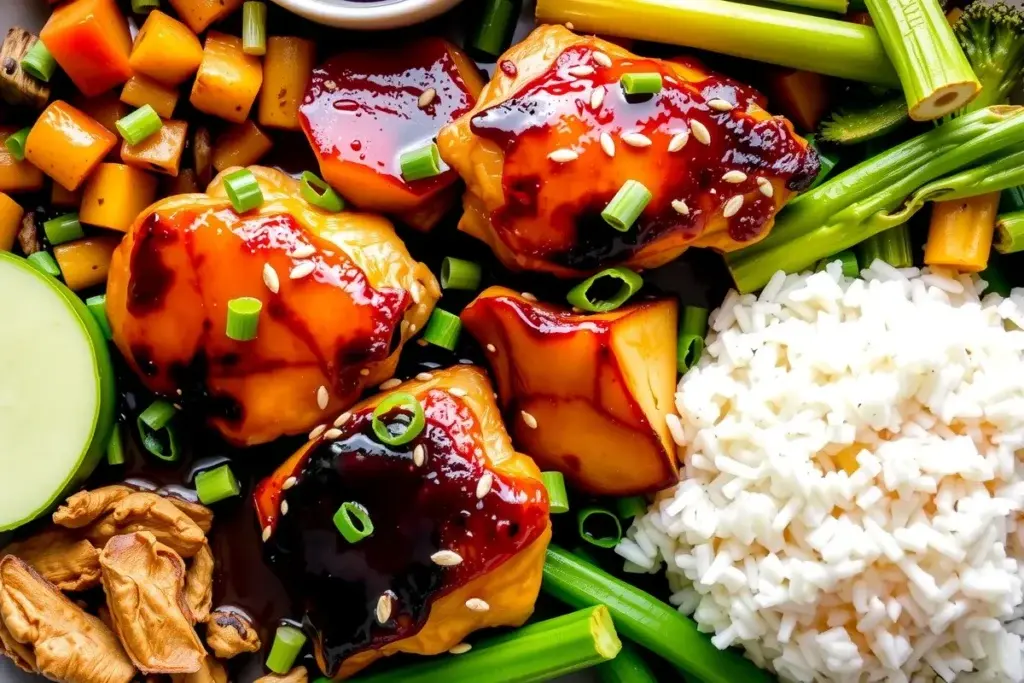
(288, 643)
(353, 521)
(421, 163)
(626, 206)
(631, 506)
(457, 273)
(15, 144)
(115, 449)
(39, 63)
(415, 425)
(580, 297)
(443, 329)
(97, 305)
(243, 321)
(318, 193)
(159, 436)
(139, 125)
(558, 499)
(691, 337)
(647, 83)
(590, 521)
(243, 190)
(63, 229)
(44, 262)
(254, 28)
(217, 484)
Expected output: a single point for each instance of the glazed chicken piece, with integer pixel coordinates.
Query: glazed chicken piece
(460, 526)
(341, 295)
(363, 109)
(599, 419)
(554, 137)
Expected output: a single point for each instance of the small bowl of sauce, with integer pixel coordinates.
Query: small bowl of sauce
(368, 14)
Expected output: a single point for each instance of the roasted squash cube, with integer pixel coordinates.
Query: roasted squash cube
(199, 14)
(287, 67)
(228, 79)
(114, 195)
(85, 263)
(240, 145)
(16, 176)
(139, 91)
(166, 50)
(66, 144)
(91, 42)
(160, 152)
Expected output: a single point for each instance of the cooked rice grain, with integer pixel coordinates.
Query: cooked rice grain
(851, 494)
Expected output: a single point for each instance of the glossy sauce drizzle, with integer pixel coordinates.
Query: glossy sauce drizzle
(552, 210)
(416, 512)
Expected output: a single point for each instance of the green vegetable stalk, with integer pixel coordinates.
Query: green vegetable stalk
(891, 246)
(970, 155)
(1010, 232)
(853, 125)
(627, 667)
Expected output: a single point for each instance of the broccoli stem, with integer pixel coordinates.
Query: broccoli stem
(886, 190)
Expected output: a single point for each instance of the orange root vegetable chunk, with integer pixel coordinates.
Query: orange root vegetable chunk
(803, 96)
(240, 145)
(359, 142)
(287, 67)
(91, 42)
(64, 198)
(586, 395)
(107, 109)
(185, 182)
(228, 79)
(160, 152)
(199, 14)
(10, 221)
(139, 91)
(114, 196)
(67, 144)
(165, 50)
(85, 263)
(16, 176)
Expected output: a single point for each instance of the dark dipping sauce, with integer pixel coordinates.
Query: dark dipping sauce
(552, 210)
(416, 512)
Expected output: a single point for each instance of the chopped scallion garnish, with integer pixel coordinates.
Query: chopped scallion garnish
(63, 229)
(631, 506)
(413, 426)
(243, 190)
(39, 63)
(581, 296)
(1010, 232)
(424, 162)
(493, 34)
(139, 125)
(598, 526)
(155, 426)
(243, 322)
(97, 305)
(626, 206)
(458, 273)
(443, 329)
(288, 642)
(43, 261)
(115, 448)
(15, 144)
(558, 499)
(217, 484)
(641, 83)
(145, 6)
(353, 521)
(254, 28)
(691, 337)
(317, 192)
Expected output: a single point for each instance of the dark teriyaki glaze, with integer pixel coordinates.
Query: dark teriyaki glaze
(416, 512)
(557, 206)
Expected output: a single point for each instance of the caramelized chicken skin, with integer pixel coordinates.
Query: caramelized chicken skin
(460, 527)
(558, 94)
(364, 108)
(585, 394)
(340, 292)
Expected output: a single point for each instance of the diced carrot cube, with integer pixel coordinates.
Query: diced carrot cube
(91, 42)
(66, 144)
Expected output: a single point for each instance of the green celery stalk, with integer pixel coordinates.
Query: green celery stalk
(645, 620)
(534, 653)
(627, 667)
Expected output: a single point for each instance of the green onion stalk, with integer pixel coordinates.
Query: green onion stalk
(628, 667)
(973, 154)
(645, 620)
(1010, 232)
(538, 652)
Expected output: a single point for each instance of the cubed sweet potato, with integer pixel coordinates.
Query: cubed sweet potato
(228, 79)
(91, 42)
(160, 152)
(139, 91)
(166, 50)
(67, 144)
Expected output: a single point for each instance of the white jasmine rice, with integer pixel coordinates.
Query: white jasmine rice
(851, 490)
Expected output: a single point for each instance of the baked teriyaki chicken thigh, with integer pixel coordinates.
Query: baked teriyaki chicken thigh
(554, 137)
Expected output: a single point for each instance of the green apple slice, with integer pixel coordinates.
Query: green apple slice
(57, 397)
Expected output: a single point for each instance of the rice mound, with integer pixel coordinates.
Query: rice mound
(851, 494)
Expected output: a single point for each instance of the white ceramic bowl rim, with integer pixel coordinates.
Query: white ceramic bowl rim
(368, 14)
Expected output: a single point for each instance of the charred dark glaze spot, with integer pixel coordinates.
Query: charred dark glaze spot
(150, 277)
(143, 356)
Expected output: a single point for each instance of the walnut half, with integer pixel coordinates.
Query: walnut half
(230, 633)
(63, 558)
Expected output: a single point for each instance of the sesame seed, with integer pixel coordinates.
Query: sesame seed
(390, 384)
(569, 25)
(412, 328)
(330, 86)
(342, 419)
(446, 558)
(602, 59)
(317, 432)
(563, 156)
(680, 207)
(491, 348)
(700, 131)
(424, 377)
(530, 420)
(383, 608)
(332, 434)
(365, 372)
(733, 206)
(766, 187)
(477, 605)
(455, 391)
(679, 141)
(734, 177)
(597, 98)
(302, 251)
(302, 270)
(270, 278)
(460, 649)
(426, 97)
(528, 296)
(608, 144)
(284, 507)
(288, 483)
(266, 533)
(322, 397)
(719, 104)
(580, 71)
(419, 455)
(483, 487)
(636, 140)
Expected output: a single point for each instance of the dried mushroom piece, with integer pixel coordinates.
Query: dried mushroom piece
(211, 671)
(28, 236)
(230, 633)
(16, 86)
(143, 511)
(296, 675)
(64, 559)
(85, 507)
(145, 585)
(67, 644)
(198, 513)
(199, 585)
(16, 652)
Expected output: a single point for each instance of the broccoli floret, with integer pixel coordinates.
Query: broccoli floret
(992, 37)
